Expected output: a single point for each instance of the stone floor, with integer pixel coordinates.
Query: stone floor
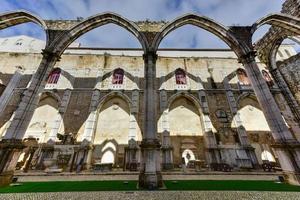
(154, 195)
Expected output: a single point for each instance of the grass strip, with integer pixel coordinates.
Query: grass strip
(204, 185)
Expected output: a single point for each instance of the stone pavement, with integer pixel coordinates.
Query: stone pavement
(37, 177)
(154, 195)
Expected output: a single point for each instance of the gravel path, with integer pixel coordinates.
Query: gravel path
(154, 195)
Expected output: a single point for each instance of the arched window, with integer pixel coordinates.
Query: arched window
(19, 42)
(118, 77)
(180, 77)
(54, 76)
(267, 78)
(242, 76)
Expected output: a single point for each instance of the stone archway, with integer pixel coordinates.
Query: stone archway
(43, 118)
(93, 22)
(186, 130)
(111, 110)
(188, 155)
(281, 20)
(19, 17)
(253, 121)
(205, 23)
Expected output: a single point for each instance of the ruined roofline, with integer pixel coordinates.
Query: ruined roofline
(160, 49)
(263, 45)
(147, 25)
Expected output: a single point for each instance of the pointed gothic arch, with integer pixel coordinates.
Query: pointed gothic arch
(61, 43)
(205, 23)
(14, 18)
(284, 21)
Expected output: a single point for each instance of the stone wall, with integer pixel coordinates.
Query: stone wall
(290, 70)
(119, 111)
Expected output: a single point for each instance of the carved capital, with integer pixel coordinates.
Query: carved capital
(150, 144)
(248, 58)
(50, 54)
(150, 55)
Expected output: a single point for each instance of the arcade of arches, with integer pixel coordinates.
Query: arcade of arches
(147, 110)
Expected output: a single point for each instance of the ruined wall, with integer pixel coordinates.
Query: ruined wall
(290, 70)
(121, 111)
(83, 73)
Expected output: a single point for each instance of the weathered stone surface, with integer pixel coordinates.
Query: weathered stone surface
(200, 109)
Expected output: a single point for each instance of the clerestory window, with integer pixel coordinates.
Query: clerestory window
(180, 77)
(19, 42)
(118, 77)
(242, 76)
(267, 78)
(54, 76)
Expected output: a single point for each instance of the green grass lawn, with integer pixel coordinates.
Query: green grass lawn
(64, 186)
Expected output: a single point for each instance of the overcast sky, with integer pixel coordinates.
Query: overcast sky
(227, 12)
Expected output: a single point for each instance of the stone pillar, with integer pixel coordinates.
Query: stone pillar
(133, 129)
(89, 157)
(289, 116)
(9, 90)
(91, 121)
(90, 128)
(167, 149)
(30, 98)
(13, 136)
(150, 170)
(59, 118)
(285, 90)
(290, 100)
(74, 158)
(10, 150)
(132, 149)
(212, 151)
(250, 159)
(286, 146)
(28, 162)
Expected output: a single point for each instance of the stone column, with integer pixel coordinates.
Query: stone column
(31, 98)
(10, 151)
(91, 121)
(167, 149)
(28, 162)
(59, 118)
(13, 136)
(288, 115)
(212, 153)
(90, 128)
(9, 90)
(294, 106)
(290, 100)
(74, 158)
(89, 157)
(150, 170)
(246, 148)
(286, 146)
(133, 129)
(132, 149)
